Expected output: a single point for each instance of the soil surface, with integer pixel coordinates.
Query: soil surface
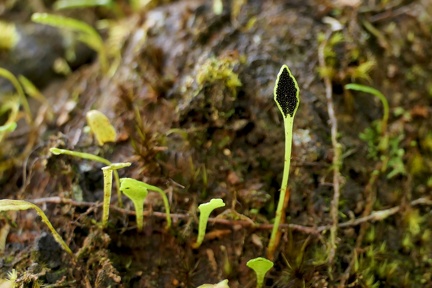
(189, 90)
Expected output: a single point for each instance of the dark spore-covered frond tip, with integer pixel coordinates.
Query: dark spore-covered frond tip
(286, 92)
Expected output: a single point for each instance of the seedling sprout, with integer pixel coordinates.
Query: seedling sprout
(108, 173)
(15, 205)
(261, 266)
(205, 210)
(137, 191)
(286, 96)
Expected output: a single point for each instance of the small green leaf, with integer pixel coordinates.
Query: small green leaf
(205, 210)
(137, 191)
(101, 127)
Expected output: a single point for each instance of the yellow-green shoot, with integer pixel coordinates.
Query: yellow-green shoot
(16, 205)
(108, 173)
(205, 210)
(286, 96)
(261, 266)
(137, 191)
(88, 156)
(86, 34)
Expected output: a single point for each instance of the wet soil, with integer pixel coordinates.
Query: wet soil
(191, 98)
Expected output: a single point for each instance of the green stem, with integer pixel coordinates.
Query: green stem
(286, 96)
(88, 156)
(139, 210)
(166, 203)
(288, 126)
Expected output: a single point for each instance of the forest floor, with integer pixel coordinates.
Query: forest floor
(189, 90)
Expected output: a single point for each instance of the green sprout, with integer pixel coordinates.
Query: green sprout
(88, 156)
(108, 173)
(137, 191)
(205, 210)
(15, 205)
(86, 34)
(286, 96)
(101, 127)
(261, 266)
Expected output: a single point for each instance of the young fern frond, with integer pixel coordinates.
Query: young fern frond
(286, 96)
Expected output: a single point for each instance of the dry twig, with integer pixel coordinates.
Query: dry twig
(334, 209)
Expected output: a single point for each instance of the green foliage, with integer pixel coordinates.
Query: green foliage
(392, 158)
(205, 210)
(86, 34)
(216, 70)
(137, 191)
(101, 127)
(16, 205)
(260, 266)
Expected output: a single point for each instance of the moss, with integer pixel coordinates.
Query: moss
(219, 69)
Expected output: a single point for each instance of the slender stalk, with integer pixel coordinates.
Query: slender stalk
(286, 96)
(284, 191)
(107, 173)
(139, 204)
